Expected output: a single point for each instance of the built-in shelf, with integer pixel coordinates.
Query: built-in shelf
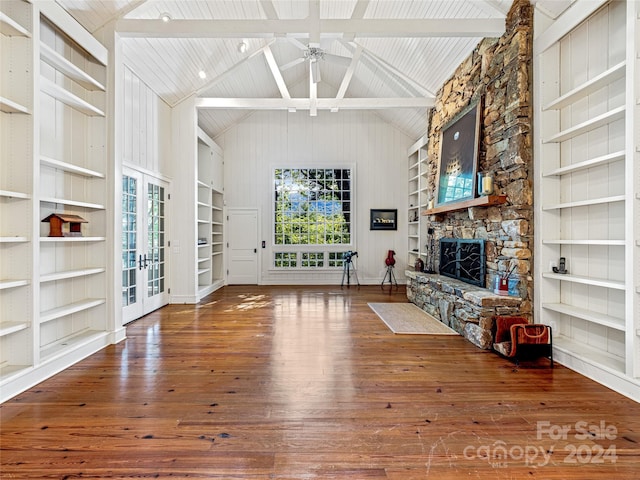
(202, 260)
(69, 167)
(51, 277)
(203, 204)
(202, 184)
(13, 239)
(13, 283)
(202, 221)
(596, 282)
(80, 339)
(7, 328)
(69, 309)
(584, 127)
(11, 28)
(588, 315)
(214, 254)
(203, 270)
(12, 194)
(588, 354)
(68, 98)
(484, 201)
(596, 83)
(63, 65)
(9, 106)
(202, 245)
(7, 371)
(586, 203)
(584, 242)
(217, 209)
(72, 239)
(72, 203)
(593, 162)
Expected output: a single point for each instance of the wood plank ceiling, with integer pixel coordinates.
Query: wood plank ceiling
(395, 53)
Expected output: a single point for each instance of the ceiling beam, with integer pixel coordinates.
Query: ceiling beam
(348, 75)
(210, 103)
(268, 9)
(400, 78)
(329, 28)
(275, 71)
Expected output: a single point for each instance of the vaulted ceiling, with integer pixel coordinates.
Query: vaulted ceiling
(387, 56)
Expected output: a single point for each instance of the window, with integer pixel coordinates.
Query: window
(312, 206)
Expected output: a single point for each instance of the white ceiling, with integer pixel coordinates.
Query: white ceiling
(404, 51)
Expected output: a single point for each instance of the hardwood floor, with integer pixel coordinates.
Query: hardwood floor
(307, 382)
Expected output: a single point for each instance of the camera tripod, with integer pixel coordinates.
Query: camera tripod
(392, 277)
(346, 271)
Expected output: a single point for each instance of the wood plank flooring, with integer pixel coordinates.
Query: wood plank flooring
(305, 383)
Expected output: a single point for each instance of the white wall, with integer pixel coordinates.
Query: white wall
(376, 150)
(146, 127)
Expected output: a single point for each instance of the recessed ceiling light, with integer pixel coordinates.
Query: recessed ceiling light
(242, 47)
(202, 74)
(165, 17)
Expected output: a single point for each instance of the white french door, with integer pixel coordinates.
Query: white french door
(144, 244)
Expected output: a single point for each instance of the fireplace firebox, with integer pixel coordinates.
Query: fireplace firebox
(463, 259)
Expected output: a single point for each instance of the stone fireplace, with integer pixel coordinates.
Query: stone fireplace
(498, 71)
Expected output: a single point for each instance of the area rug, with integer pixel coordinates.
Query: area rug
(408, 319)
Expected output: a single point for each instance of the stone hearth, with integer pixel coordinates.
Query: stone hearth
(468, 309)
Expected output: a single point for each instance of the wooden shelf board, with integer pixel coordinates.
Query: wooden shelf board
(585, 242)
(72, 239)
(203, 270)
(596, 282)
(584, 127)
(585, 203)
(217, 209)
(7, 328)
(70, 343)
(588, 315)
(11, 28)
(203, 204)
(68, 98)
(69, 167)
(72, 203)
(12, 194)
(216, 253)
(596, 83)
(202, 245)
(202, 184)
(485, 201)
(69, 309)
(9, 106)
(202, 222)
(593, 162)
(65, 66)
(13, 239)
(12, 283)
(201, 260)
(588, 353)
(52, 277)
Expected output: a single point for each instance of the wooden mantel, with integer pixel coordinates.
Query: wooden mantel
(485, 201)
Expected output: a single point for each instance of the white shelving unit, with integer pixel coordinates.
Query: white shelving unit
(16, 190)
(585, 213)
(210, 220)
(54, 291)
(417, 200)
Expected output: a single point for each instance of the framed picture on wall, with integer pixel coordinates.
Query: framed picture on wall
(458, 162)
(383, 219)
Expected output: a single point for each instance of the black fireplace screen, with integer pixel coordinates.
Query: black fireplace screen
(463, 259)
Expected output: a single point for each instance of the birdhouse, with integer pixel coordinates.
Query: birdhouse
(57, 222)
